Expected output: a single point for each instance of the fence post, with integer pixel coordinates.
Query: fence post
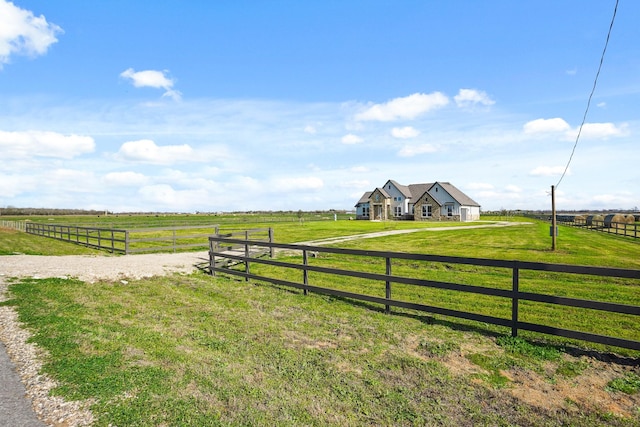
(126, 242)
(246, 255)
(212, 258)
(387, 307)
(174, 240)
(305, 272)
(514, 301)
(271, 249)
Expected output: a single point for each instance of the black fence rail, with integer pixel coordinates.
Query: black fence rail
(158, 239)
(619, 228)
(593, 222)
(169, 239)
(224, 255)
(519, 300)
(110, 239)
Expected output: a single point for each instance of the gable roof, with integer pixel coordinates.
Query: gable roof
(365, 197)
(404, 189)
(383, 192)
(456, 194)
(417, 190)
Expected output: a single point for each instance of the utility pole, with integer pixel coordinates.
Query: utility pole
(553, 218)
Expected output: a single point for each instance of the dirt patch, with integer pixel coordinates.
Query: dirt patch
(587, 392)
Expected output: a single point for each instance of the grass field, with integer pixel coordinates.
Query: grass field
(196, 350)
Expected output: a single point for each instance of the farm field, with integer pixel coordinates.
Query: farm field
(197, 350)
(289, 228)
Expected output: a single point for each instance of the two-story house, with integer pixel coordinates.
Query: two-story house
(438, 201)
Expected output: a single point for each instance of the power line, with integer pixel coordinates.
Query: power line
(595, 82)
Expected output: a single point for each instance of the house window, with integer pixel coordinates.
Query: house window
(449, 210)
(426, 211)
(398, 210)
(365, 211)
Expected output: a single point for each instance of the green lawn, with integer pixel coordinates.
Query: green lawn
(197, 350)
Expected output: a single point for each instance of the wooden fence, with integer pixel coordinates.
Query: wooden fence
(516, 297)
(14, 225)
(243, 250)
(161, 239)
(113, 240)
(602, 225)
(619, 228)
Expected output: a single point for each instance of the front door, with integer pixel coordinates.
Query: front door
(377, 212)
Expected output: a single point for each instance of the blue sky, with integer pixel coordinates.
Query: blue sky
(239, 105)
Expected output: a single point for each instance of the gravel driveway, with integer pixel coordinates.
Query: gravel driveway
(93, 268)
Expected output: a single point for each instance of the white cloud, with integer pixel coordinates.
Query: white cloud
(359, 169)
(538, 126)
(166, 196)
(351, 139)
(414, 150)
(600, 131)
(23, 33)
(480, 186)
(408, 107)
(469, 97)
(13, 185)
(310, 129)
(297, 184)
(549, 171)
(404, 132)
(589, 130)
(623, 200)
(513, 188)
(147, 151)
(72, 180)
(359, 183)
(44, 144)
(152, 78)
(125, 179)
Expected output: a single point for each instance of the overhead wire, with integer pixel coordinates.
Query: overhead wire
(593, 89)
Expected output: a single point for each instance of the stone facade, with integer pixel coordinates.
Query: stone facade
(437, 213)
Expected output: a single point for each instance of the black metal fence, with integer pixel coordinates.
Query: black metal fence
(514, 294)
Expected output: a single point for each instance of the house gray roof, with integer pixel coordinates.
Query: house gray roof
(418, 190)
(382, 190)
(365, 197)
(415, 191)
(457, 195)
(404, 189)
